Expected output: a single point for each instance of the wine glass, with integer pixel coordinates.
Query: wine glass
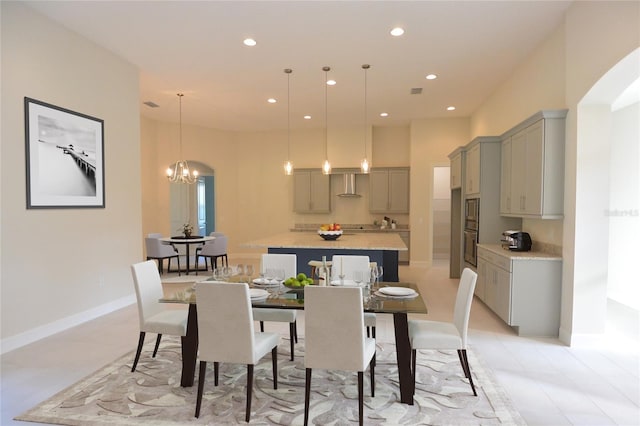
(249, 271)
(226, 273)
(240, 271)
(358, 278)
(380, 273)
(374, 275)
(269, 275)
(279, 278)
(216, 274)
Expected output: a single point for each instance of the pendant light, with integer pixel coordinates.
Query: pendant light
(180, 171)
(326, 166)
(364, 164)
(288, 166)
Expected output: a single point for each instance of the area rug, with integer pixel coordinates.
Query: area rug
(153, 395)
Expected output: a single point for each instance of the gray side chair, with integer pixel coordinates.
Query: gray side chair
(155, 317)
(159, 251)
(226, 334)
(437, 335)
(213, 250)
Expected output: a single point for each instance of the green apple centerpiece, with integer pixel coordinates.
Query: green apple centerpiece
(298, 282)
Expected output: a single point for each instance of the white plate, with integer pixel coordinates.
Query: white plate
(398, 291)
(265, 283)
(257, 293)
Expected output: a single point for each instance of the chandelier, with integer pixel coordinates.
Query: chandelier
(180, 171)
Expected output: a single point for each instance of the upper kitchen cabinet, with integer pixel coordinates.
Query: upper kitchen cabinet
(472, 171)
(311, 191)
(532, 169)
(456, 168)
(482, 159)
(389, 190)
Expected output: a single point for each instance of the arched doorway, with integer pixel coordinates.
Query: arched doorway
(195, 203)
(607, 202)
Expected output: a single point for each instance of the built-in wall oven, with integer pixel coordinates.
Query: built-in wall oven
(471, 224)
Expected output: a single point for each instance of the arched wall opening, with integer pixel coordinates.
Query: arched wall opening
(608, 202)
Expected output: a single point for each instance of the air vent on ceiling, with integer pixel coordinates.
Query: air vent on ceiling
(151, 104)
(416, 91)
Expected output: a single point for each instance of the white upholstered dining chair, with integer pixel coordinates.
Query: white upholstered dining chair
(346, 265)
(226, 334)
(436, 335)
(335, 339)
(154, 316)
(158, 251)
(287, 262)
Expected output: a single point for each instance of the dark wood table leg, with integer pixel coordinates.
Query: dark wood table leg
(187, 248)
(403, 354)
(190, 348)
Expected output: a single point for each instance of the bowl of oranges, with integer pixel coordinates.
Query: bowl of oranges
(330, 232)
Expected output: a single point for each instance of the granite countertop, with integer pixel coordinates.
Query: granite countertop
(351, 228)
(519, 255)
(311, 239)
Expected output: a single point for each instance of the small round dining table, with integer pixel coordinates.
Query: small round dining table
(187, 242)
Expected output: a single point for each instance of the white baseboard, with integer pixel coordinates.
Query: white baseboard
(35, 334)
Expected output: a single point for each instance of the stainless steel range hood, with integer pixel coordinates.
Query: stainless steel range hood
(349, 188)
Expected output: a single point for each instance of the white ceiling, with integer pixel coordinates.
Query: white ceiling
(195, 47)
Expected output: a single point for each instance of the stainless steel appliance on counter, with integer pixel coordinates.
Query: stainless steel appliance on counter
(471, 223)
(516, 241)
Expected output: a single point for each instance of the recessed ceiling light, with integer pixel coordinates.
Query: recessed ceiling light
(271, 101)
(249, 42)
(397, 32)
(307, 117)
(384, 114)
(331, 82)
(431, 77)
(451, 108)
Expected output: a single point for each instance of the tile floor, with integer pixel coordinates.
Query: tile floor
(549, 383)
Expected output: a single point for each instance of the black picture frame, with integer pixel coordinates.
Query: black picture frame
(64, 153)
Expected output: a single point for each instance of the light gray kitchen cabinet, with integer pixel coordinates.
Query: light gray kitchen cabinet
(472, 171)
(522, 288)
(505, 177)
(389, 190)
(311, 191)
(532, 183)
(456, 170)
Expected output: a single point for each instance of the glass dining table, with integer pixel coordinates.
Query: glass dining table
(284, 298)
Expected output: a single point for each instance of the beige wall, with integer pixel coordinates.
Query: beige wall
(538, 83)
(61, 266)
(432, 140)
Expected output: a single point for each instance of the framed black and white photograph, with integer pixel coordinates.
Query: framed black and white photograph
(65, 157)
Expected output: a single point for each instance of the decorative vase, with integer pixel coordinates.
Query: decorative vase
(187, 234)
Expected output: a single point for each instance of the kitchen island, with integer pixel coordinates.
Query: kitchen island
(381, 248)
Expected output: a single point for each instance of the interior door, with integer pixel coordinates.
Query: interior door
(201, 206)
